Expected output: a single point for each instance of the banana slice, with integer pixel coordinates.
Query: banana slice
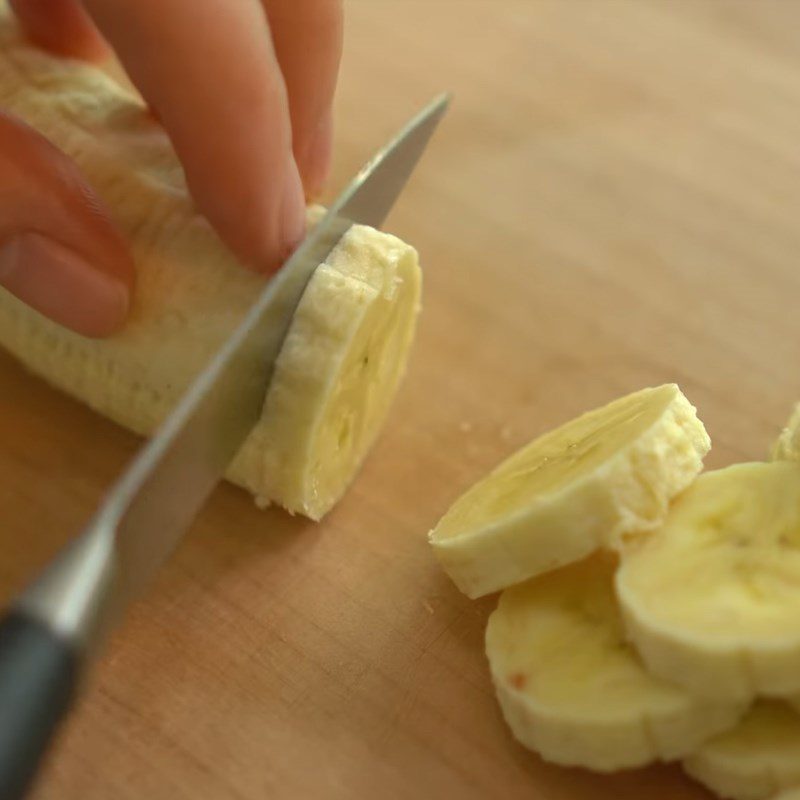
(572, 689)
(345, 351)
(712, 599)
(787, 445)
(337, 373)
(754, 760)
(588, 484)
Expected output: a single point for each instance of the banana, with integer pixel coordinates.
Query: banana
(712, 599)
(592, 483)
(754, 760)
(343, 356)
(787, 445)
(572, 689)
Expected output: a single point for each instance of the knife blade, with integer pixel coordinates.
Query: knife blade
(64, 613)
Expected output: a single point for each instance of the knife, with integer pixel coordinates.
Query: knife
(53, 627)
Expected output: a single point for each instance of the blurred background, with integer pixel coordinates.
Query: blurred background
(611, 203)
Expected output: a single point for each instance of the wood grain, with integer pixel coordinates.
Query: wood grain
(612, 203)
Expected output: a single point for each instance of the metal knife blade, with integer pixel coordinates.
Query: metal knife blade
(146, 512)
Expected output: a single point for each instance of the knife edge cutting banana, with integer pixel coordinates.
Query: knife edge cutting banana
(319, 419)
(282, 387)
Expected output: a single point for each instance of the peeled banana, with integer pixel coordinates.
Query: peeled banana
(589, 484)
(571, 688)
(347, 346)
(712, 598)
(756, 759)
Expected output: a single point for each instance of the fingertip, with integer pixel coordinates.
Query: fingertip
(110, 317)
(264, 225)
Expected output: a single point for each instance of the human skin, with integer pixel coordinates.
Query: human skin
(257, 75)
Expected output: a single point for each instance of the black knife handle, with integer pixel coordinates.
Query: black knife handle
(38, 677)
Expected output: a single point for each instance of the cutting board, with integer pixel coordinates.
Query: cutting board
(612, 203)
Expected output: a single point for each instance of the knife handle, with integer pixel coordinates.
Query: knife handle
(38, 678)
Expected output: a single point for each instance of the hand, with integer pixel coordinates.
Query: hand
(256, 75)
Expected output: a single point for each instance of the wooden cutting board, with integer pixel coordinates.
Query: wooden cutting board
(613, 202)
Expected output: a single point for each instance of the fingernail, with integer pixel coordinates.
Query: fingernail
(293, 210)
(59, 283)
(315, 161)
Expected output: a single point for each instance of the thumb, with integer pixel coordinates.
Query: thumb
(59, 251)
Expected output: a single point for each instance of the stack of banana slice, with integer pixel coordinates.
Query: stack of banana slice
(649, 613)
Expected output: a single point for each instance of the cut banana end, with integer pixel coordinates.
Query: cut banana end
(338, 371)
(572, 689)
(755, 760)
(585, 485)
(347, 345)
(712, 599)
(787, 445)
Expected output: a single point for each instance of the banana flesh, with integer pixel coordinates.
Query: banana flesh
(755, 760)
(570, 686)
(712, 599)
(590, 484)
(652, 614)
(345, 352)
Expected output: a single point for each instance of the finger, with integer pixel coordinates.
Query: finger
(308, 42)
(209, 70)
(59, 251)
(61, 26)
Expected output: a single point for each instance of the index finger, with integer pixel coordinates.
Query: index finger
(209, 70)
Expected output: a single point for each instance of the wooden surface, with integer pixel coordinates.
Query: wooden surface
(612, 203)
